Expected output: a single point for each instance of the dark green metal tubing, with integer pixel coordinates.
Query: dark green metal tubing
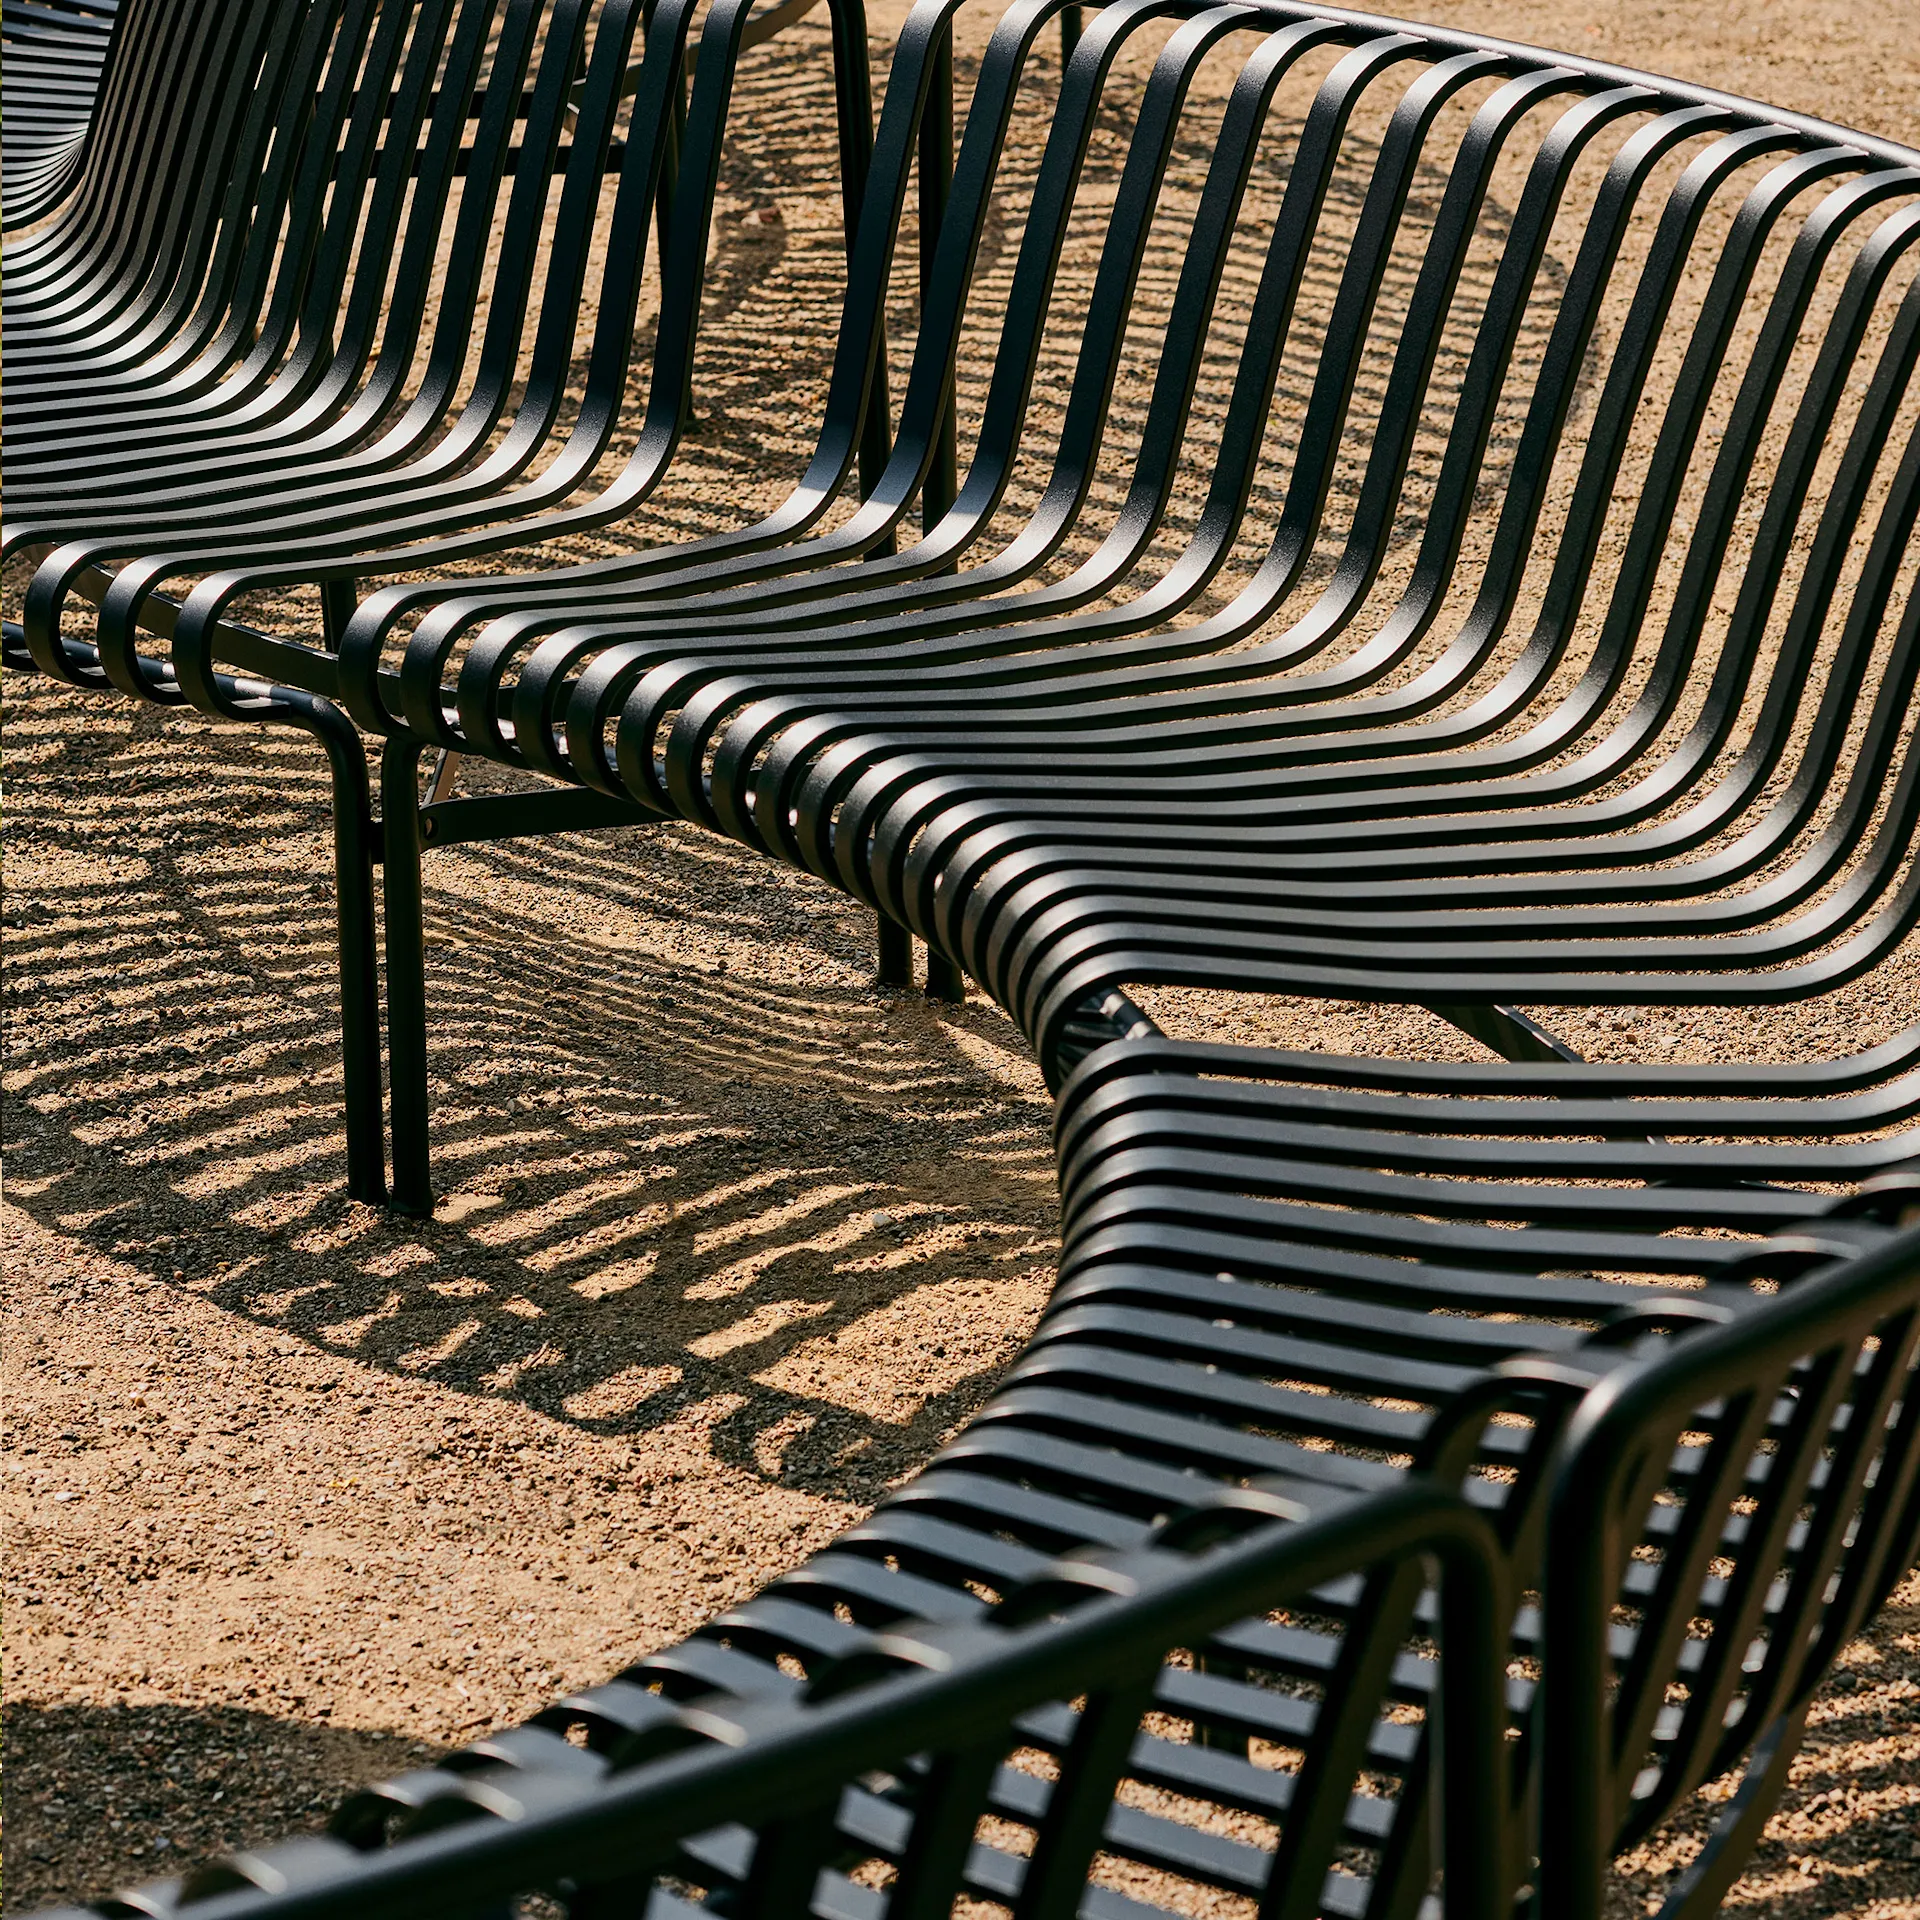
(936, 187)
(163, 388)
(355, 852)
(1828, 1377)
(54, 55)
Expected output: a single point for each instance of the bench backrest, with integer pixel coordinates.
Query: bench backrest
(1728, 1516)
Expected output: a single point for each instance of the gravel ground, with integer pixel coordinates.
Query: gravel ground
(297, 1493)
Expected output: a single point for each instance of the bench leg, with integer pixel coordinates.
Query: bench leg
(945, 981)
(893, 953)
(338, 598)
(406, 975)
(353, 858)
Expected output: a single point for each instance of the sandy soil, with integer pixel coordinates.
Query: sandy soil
(297, 1493)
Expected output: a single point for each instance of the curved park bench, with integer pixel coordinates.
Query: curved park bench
(206, 376)
(1687, 781)
(1424, 732)
(52, 56)
(1292, 1287)
(899, 1738)
(1535, 590)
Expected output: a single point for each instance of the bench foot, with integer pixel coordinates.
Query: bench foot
(408, 825)
(893, 963)
(945, 981)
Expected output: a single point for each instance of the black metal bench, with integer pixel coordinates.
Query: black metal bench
(1332, 1271)
(1341, 781)
(1342, 784)
(205, 338)
(909, 1729)
(1320, 1296)
(316, 432)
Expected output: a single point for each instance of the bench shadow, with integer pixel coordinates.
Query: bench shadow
(1845, 1837)
(101, 1797)
(683, 1144)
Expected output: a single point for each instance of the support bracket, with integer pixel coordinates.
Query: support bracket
(1507, 1031)
(515, 816)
